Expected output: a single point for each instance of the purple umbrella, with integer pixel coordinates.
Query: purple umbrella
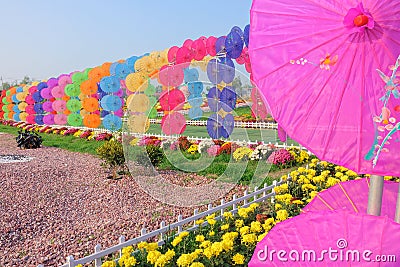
(214, 71)
(228, 99)
(213, 98)
(52, 82)
(234, 44)
(48, 106)
(220, 46)
(215, 128)
(48, 119)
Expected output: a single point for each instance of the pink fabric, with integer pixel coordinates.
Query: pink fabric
(339, 230)
(357, 191)
(327, 105)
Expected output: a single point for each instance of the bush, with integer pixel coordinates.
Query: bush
(112, 153)
(155, 154)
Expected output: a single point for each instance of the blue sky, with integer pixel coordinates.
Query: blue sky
(45, 38)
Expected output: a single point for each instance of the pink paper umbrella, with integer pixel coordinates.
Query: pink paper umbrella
(58, 91)
(184, 56)
(52, 82)
(46, 93)
(172, 54)
(32, 89)
(172, 100)
(29, 100)
(48, 106)
(171, 75)
(188, 43)
(48, 119)
(64, 79)
(319, 76)
(173, 123)
(330, 238)
(59, 105)
(199, 49)
(30, 119)
(210, 45)
(353, 196)
(60, 119)
(30, 109)
(281, 134)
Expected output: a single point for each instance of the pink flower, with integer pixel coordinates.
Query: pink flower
(280, 157)
(213, 150)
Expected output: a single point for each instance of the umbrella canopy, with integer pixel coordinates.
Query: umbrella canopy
(173, 123)
(315, 62)
(306, 239)
(90, 104)
(59, 105)
(138, 103)
(110, 84)
(92, 120)
(138, 123)
(234, 43)
(74, 119)
(89, 87)
(353, 195)
(74, 105)
(60, 119)
(111, 102)
(172, 100)
(57, 91)
(112, 122)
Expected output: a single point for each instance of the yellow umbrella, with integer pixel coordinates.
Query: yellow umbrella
(136, 82)
(138, 103)
(22, 106)
(138, 123)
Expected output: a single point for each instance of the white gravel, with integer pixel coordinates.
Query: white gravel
(60, 203)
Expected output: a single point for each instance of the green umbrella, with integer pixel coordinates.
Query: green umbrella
(4, 100)
(8, 92)
(74, 105)
(74, 119)
(72, 90)
(5, 108)
(78, 77)
(150, 90)
(152, 113)
(86, 73)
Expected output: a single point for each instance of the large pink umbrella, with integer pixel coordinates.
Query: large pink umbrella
(330, 238)
(316, 61)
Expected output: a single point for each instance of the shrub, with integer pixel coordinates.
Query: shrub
(112, 153)
(280, 157)
(155, 154)
(184, 143)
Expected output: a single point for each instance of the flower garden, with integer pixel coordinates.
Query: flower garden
(232, 240)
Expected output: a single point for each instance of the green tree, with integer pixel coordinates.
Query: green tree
(237, 85)
(5, 86)
(26, 80)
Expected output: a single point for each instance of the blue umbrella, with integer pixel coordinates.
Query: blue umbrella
(16, 109)
(227, 69)
(234, 44)
(38, 108)
(238, 30)
(113, 66)
(213, 71)
(246, 34)
(16, 117)
(111, 102)
(195, 100)
(195, 88)
(220, 45)
(112, 122)
(39, 119)
(214, 126)
(195, 113)
(213, 97)
(191, 75)
(228, 99)
(14, 99)
(131, 63)
(228, 123)
(41, 86)
(122, 70)
(110, 84)
(37, 97)
(20, 89)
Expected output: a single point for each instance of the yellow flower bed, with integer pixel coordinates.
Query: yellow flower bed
(232, 240)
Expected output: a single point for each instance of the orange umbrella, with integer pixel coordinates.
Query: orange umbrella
(136, 82)
(90, 104)
(138, 103)
(106, 68)
(13, 90)
(96, 74)
(89, 87)
(92, 120)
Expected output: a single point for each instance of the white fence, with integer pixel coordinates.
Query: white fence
(238, 124)
(258, 195)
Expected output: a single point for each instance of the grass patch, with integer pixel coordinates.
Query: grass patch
(70, 143)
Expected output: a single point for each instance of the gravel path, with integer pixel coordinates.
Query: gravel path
(60, 203)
